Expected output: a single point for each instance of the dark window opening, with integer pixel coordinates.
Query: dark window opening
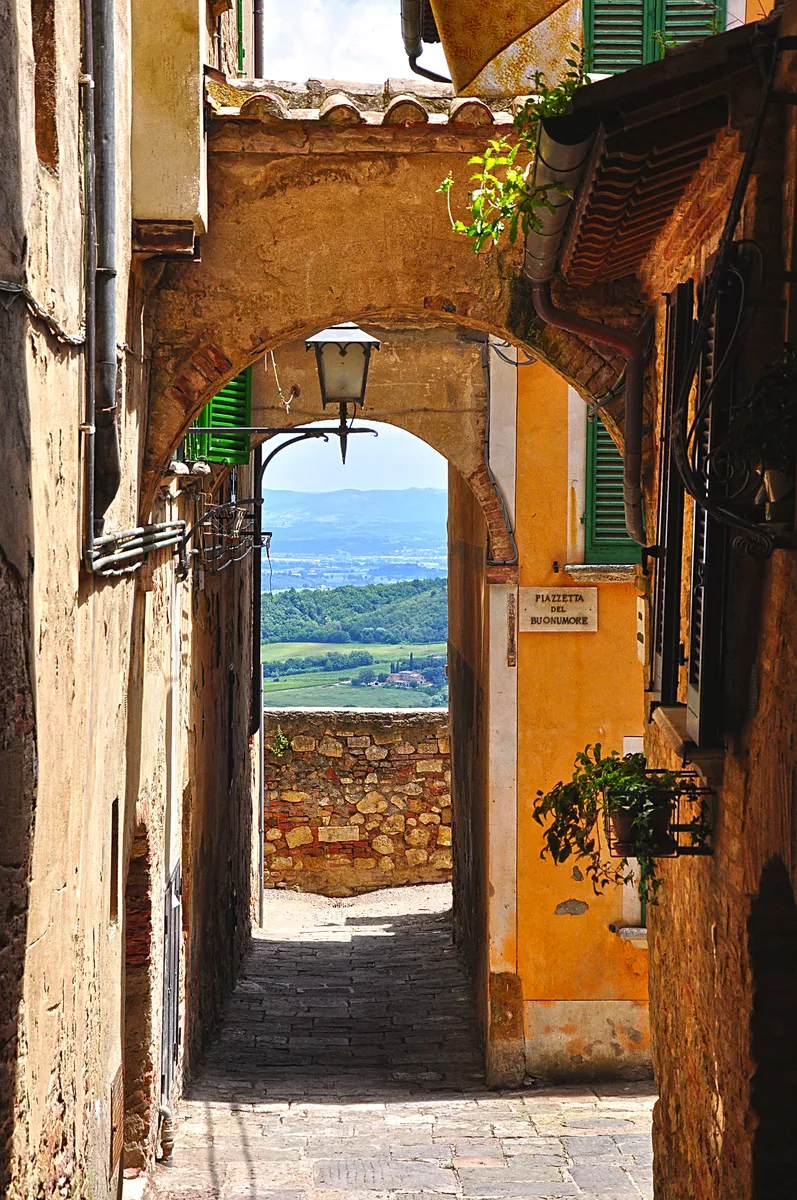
(115, 862)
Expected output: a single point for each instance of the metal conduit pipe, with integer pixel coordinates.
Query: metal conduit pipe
(107, 474)
(562, 152)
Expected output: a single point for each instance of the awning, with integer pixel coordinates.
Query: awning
(495, 48)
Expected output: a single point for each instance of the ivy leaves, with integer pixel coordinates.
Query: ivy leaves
(506, 200)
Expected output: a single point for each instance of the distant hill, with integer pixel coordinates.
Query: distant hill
(391, 613)
(356, 523)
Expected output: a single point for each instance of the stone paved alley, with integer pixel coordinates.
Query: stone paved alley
(348, 1069)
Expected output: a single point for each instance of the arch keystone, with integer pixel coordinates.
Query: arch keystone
(340, 109)
(405, 110)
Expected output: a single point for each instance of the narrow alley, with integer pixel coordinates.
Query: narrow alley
(348, 1067)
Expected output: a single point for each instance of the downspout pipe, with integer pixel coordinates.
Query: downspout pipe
(412, 35)
(629, 346)
(107, 473)
(90, 270)
(563, 149)
(260, 38)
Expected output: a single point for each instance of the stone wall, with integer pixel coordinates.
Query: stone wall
(360, 799)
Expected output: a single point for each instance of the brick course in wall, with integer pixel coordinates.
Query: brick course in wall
(359, 800)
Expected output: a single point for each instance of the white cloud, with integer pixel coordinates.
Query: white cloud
(354, 40)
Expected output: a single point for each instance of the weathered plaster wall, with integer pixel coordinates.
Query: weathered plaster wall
(360, 800)
(86, 666)
(584, 988)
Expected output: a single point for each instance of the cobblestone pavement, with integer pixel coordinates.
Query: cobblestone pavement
(348, 1069)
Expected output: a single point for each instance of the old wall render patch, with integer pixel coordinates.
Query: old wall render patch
(559, 610)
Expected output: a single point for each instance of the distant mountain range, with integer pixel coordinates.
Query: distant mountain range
(324, 539)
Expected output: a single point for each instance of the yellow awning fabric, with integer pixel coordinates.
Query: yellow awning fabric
(493, 47)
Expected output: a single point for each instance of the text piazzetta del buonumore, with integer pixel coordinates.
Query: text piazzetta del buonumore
(558, 610)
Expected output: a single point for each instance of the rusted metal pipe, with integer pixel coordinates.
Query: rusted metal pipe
(629, 346)
(166, 1135)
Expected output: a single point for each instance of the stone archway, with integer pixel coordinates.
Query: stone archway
(317, 217)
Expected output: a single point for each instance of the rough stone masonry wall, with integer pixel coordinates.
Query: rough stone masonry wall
(361, 800)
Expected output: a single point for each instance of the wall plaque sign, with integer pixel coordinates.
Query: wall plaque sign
(559, 610)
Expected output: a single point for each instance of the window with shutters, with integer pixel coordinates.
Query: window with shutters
(667, 650)
(710, 536)
(619, 34)
(605, 540)
(231, 407)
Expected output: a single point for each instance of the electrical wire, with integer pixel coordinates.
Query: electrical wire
(38, 311)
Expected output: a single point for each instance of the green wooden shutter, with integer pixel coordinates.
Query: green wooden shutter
(687, 20)
(232, 406)
(606, 540)
(618, 34)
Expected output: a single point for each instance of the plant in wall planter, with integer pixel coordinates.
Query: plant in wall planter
(634, 806)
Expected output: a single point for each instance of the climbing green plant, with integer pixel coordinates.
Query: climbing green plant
(506, 200)
(280, 746)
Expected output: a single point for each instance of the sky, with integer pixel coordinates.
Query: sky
(394, 460)
(358, 41)
(354, 40)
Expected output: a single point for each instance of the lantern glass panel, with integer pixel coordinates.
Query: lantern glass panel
(343, 371)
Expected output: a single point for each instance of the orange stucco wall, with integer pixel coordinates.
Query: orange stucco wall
(574, 688)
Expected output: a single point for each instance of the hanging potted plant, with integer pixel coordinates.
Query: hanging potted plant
(633, 805)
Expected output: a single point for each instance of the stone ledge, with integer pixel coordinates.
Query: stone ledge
(601, 572)
(709, 763)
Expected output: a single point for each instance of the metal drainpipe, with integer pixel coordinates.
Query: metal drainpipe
(107, 472)
(411, 32)
(90, 267)
(629, 346)
(562, 152)
(260, 38)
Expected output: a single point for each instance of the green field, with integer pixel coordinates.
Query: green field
(344, 697)
(279, 651)
(326, 689)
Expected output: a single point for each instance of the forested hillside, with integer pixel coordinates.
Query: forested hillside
(388, 613)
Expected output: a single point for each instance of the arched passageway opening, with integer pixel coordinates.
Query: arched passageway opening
(772, 942)
(391, 802)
